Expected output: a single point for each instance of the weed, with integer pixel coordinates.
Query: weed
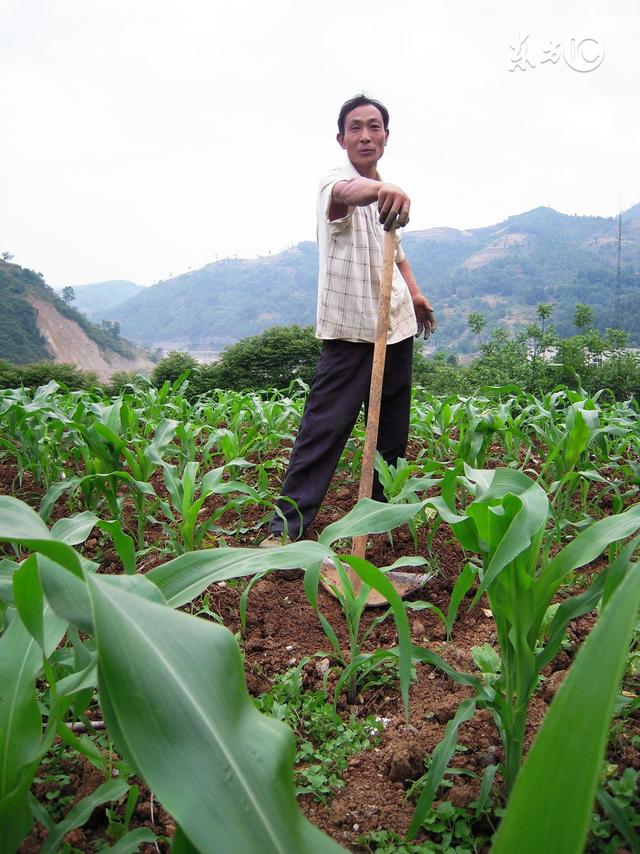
(324, 741)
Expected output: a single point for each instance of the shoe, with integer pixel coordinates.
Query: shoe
(274, 541)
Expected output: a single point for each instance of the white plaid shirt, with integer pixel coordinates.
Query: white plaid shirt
(350, 255)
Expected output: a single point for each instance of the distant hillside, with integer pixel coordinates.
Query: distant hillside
(502, 270)
(93, 300)
(224, 301)
(36, 325)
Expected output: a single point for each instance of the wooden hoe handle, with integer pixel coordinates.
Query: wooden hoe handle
(375, 393)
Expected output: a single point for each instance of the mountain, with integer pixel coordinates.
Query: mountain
(503, 270)
(94, 299)
(36, 325)
(209, 308)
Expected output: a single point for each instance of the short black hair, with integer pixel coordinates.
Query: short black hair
(361, 101)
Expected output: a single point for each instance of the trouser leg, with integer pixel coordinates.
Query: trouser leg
(339, 388)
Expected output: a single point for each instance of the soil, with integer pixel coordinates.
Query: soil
(282, 630)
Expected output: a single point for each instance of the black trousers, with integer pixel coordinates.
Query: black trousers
(339, 389)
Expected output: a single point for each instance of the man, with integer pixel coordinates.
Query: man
(354, 206)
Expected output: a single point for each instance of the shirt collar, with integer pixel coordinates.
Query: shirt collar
(354, 172)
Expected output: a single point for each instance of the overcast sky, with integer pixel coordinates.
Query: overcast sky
(141, 138)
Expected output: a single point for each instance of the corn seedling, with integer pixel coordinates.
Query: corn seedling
(504, 524)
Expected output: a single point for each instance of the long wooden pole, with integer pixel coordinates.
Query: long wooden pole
(359, 545)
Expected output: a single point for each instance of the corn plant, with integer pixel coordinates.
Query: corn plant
(33, 429)
(551, 803)
(504, 523)
(400, 487)
(186, 530)
(143, 459)
(172, 693)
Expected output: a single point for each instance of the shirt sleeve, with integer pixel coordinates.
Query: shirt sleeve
(326, 190)
(400, 256)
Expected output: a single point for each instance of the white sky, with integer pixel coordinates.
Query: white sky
(140, 138)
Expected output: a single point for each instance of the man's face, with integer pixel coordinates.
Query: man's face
(364, 138)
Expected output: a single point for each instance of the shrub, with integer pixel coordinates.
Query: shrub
(439, 374)
(172, 366)
(272, 359)
(121, 379)
(41, 373)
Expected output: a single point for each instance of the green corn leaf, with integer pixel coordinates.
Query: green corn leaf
(601, 587)
(7, 571)
(68, 596)
(185, 577)
(27, 593)
(130, 843)
(74, 529)
(370, 517)
(551, 803)
(379, 581)
(615, 812)
(175, 701)
(462, 586)
(20, 722)
(587, 546)
(371, 658)
(112, 790)
(526, 507)
(66, 593)
(427, 657)
(20, 524)
(439, 761)
(124, 544)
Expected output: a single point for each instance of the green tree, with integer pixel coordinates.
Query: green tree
(173, 366)
(545, 310)
(68, 295)
(476, 321)
(272, 359)
(583, 316)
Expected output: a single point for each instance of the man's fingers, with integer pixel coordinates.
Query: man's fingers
(426, 324)
(393, 209)
(403, 215)
(397, 218)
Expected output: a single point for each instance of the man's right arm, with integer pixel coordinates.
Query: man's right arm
(393, 203)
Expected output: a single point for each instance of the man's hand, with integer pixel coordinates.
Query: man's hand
(393, 205)
(424, 315)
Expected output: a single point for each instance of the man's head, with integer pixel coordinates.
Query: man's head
(363, 127)
(361, 101)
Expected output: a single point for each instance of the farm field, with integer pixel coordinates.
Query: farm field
(135, 606)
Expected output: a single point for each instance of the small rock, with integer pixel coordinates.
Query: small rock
(406, 763)
(446, 712)
(408, 728)
(418, 628)
(291, 662)
(222, 584)
(491, 756)
(322, 666)
(356, 828)
(261, 587)
(289, 648)
(369, 810)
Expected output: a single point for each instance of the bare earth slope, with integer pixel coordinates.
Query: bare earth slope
(70, 344)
